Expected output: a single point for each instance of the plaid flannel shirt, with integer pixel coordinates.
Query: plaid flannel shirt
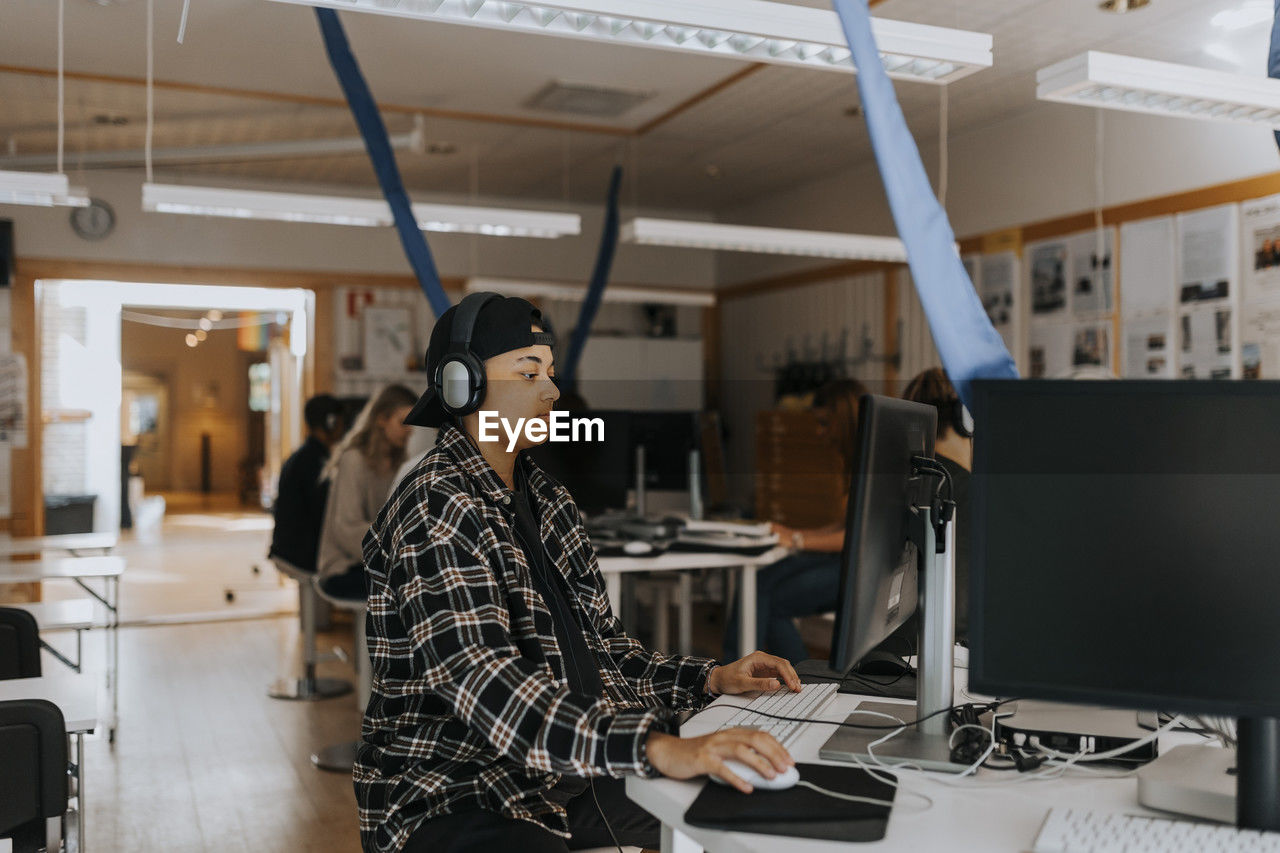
(470, 706)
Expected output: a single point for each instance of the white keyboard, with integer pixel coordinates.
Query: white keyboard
(1066, 830)
(805, 705)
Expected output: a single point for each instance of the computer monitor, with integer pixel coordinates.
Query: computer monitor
(1124, 554)
(667, 438)
(878, 577)
(597, 474)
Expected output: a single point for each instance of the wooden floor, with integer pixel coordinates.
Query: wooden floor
(204, 760)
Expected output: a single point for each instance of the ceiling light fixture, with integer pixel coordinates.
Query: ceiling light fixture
(771, 241)
(1119, 7)
(1115, 82)
(42, 189)
(754, 30)
(338, 210)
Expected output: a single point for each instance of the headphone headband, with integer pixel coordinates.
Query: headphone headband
(464, 322)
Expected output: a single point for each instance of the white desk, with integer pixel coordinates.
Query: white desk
(72, 543)
(985, 814)
(614, 568)
(81, 570)
(77, 698)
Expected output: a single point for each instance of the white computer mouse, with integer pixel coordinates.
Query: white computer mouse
(637, 548)
(784, 780)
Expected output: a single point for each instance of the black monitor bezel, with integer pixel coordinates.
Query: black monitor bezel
(980, 680)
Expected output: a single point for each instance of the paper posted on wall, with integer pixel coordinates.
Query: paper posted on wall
(1260, 221)
(1209, 243)
(1205, 337)
(1050, 350)
(1092, 346)
(1260, 343)
(1092, 288)
(998, 287)
(13, 399)
(1048, 278)
(1149, 265)
(1148, 347)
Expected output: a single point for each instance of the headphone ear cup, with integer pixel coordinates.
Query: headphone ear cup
(460, 382)
(961, 420)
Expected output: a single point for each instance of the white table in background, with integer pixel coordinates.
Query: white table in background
(71, 615)
(614, 568)
(82, 570)
(77, 698)
(989, 813)
(75, 544)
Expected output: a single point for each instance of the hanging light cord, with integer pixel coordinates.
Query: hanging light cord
(61, 100)
(943, 154)
(182, 24)
(1098, 188)
(151, 69)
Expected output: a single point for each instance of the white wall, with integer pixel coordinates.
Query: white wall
(163, 238)
(1033, 166)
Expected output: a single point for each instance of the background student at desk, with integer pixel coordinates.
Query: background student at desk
(807, 583)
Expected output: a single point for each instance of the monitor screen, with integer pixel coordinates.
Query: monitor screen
(1124, 551)
(878, 577)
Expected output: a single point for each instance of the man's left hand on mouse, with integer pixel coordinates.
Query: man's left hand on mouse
(756, 671)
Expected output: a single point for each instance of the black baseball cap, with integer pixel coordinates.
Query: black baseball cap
(503, 324)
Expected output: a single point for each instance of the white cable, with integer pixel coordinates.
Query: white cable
(1098, 188)
(1085, 755)
(943, 154)
(852, 798)
(182, 24)
(151, 104)
(61, 87)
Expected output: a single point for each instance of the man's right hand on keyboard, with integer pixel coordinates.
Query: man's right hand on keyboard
(684, 758)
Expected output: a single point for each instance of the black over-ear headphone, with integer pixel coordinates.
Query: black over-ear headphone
(459, 376)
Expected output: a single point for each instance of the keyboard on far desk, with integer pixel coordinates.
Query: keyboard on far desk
(805, 705)
(1066, 830)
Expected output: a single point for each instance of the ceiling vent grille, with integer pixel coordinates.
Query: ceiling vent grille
(561, 97)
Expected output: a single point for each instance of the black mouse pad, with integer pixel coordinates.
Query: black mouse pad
(799, 812)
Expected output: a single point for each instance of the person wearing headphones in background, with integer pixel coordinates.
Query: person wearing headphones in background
(300, 494)
(359, 475)
(507, 701)
(953, 447)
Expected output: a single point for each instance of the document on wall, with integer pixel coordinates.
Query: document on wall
(13, 400)
(1260, 342)
(1092, 272)
(1148, 346)
(1205, 342)
(1209, 244)
(1260, 224)
(1050, 350)
(1148, 267)
(998, 289)
(1091, 346)
(972, 267)
(1048, 271)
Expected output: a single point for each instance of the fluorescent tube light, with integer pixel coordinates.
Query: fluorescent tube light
(754, 30)
(576, 292)
(1115, 82)
(337, 210)
(42, 189)
(772, 241)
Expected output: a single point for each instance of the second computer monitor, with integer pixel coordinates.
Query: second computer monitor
(878, 580)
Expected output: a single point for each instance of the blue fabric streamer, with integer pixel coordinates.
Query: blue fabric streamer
(599, 278)
(367, 117)
(969, 345)
(1273, 56)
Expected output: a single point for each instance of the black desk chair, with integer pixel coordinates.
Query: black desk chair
(33, 773)
(19, 644)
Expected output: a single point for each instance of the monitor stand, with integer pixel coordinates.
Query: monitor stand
(1240, 786)
(927, 745)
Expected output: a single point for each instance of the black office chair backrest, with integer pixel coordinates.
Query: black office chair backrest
(19, 644)
(33, 769)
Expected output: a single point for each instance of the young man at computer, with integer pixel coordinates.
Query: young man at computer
(507, 702)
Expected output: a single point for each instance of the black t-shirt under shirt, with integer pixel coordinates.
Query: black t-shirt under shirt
(581, 670)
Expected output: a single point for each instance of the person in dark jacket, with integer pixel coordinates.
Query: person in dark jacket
(507, 701)
(300, 495)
